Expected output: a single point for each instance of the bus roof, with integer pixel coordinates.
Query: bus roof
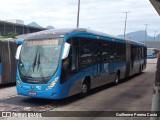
(65, 31)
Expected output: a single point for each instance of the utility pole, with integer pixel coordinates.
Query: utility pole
(145, 34)
(78, 13)
(125, 24)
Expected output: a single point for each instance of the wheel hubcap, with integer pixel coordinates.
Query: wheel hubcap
(84, 88)
(117, 79)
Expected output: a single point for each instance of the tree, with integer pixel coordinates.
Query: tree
(12, 34)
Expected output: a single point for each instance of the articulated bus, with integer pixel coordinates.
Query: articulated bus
(55, 64)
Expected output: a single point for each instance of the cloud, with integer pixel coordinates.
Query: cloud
(102, 15)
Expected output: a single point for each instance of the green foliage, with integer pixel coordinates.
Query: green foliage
(12, 34)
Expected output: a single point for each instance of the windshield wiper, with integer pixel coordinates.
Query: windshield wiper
(35, 60)
(38, 61)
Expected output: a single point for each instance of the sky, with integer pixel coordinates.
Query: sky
(102, 15)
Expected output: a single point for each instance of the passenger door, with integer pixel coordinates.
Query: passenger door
(112, 67)
(96, 58)
(96, 48)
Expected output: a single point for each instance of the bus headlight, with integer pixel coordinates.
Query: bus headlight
(19, 83)
(52, 83)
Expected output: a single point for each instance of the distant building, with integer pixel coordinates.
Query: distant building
(15, 21)
(17, 26)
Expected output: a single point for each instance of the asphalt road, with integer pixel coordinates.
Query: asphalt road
(133, 94)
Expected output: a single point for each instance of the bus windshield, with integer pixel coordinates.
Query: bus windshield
(39, 58)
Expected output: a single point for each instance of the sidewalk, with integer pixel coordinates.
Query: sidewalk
(152, 61)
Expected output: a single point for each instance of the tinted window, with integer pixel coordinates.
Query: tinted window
(85, 53)
(105, 51)
(112, 47)
(96, 52)
(121, 51)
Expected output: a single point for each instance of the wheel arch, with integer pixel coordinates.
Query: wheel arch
(87, 79)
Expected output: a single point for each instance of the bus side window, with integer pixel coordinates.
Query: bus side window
(133, 55)
(120, 52)
(105, 52)
(74, 58)
(96, 52)
(85, 53)
(112, 48)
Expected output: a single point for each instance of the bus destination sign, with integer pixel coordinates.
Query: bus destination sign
(42, 42)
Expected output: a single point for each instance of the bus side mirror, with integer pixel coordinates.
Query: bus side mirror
(18, 52)
(66, 50)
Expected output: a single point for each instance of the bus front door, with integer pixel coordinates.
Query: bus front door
(111, 66)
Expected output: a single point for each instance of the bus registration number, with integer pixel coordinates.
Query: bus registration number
(32, 93)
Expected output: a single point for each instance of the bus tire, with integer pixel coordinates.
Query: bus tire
(117, 79)
(142, 67)
(84, 88)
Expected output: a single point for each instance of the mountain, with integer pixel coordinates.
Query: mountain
(50, 27)
(34, 24)
(139, 36)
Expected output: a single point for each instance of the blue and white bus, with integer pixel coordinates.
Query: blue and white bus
(55, 64)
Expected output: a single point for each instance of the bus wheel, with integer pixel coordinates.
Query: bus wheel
(84, 88)
(116, 79)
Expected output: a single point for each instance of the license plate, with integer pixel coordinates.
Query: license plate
(32, 93)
